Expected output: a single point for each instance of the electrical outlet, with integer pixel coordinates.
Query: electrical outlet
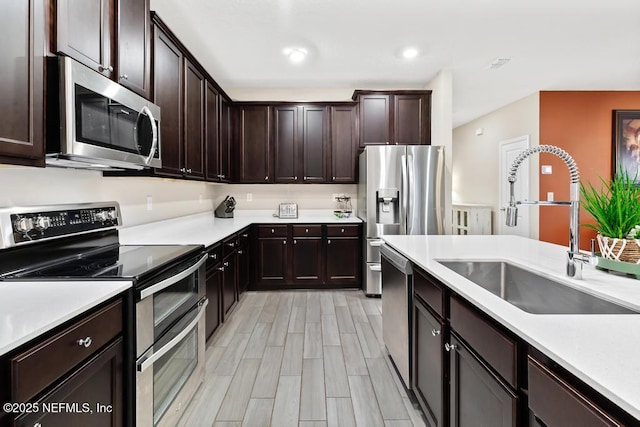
(149, 203)
(549, 196)
(249, 197)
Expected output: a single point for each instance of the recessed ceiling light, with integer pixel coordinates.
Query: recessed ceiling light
(296, 55)
(410, 53)
(498, 62)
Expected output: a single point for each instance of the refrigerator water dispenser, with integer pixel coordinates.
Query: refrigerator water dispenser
(388, 206)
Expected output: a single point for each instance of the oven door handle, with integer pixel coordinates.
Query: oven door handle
(144, 364)
(171, 280)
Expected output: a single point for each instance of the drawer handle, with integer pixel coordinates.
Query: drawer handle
(213, 256)
(240, 252)
(231, 245)
(284, 242)
(86, 342)
(306, 230)
(220, 268)
(295, 242)
(435, 332)
(342, 230)
(245, 235)
(329, 242)
(450, 347)
(273, 231)
(226, 264)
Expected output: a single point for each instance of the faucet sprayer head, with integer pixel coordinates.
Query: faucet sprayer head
(512, 216)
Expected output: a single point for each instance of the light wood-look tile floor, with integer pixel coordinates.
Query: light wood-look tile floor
(301, 358)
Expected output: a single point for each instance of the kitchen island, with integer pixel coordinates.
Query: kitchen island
(603, 351)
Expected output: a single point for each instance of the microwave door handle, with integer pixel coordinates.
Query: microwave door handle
(143, 365)
(171, 280)
(154, 133)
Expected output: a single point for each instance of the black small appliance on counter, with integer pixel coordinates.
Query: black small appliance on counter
(225, 208)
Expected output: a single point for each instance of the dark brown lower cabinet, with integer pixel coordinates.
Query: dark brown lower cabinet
(554, 402)
(272, 260)
(343, 260)
(477, 396)
(212, 315)
(307, 260)
(229, 294)
(96, 390)
(429, 370)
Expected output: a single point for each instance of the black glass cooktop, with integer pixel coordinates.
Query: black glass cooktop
(126, 262)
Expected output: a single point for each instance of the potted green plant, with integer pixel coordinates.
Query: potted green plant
(615, 207)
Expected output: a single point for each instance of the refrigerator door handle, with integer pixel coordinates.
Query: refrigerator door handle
(404, 195)
(439, 190)
(410, 203)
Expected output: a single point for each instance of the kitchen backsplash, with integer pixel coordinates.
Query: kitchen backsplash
(169, 198)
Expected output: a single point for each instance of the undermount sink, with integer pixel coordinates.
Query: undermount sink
(532, 292)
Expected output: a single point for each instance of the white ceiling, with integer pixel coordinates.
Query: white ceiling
(355, 44)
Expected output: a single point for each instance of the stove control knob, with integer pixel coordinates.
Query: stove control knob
(43, 222)
(101, 216)
(112, 215)
(23, 225)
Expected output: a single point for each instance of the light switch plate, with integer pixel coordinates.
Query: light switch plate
(549, 196)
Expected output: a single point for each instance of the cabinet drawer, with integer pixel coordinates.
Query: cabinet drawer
(272, 231)
(498, 350)
(307, 231)
(38, 367)
(229, 245)
(342, 230)
(214, 255)
(432, 293)
(557, 403)
(243, 237)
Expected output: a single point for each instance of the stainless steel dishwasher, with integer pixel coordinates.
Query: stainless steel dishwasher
(397, 291)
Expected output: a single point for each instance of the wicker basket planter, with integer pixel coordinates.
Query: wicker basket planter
(625, 250)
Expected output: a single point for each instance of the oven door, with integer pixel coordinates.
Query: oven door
(169, 373)
(166, 299)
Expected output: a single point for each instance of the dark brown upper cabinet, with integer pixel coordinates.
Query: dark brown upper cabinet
(344, 144)
(226, 137)
(391, 118)
(300, 143)
(212, 134)
(109, 36)
(253, 144)
(314, 143)
(286, 140)
(134, 46)
(194, 85)
(167, 84)
(22, 83)
(85, 32)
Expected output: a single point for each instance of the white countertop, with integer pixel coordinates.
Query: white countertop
(601, 350)
(205, 229)
(29, 309)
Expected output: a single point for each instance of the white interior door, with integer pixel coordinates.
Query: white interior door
(509, 150)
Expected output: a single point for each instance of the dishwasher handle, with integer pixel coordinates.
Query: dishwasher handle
(397, 260)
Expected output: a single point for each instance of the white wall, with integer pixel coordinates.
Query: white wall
(441, 130)
(475, 158)
(170, 198)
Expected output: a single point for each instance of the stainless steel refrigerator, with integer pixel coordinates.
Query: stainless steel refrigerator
(400, 191)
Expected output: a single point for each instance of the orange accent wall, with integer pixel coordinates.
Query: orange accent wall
(581, 123)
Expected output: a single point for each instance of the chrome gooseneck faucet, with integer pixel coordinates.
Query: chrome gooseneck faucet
(574, 258)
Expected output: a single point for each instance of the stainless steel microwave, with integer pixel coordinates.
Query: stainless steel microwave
(95, 123)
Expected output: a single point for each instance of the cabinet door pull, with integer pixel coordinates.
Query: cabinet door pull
(189, 170)
(295, 242)
(124, 76)
(213, 256)
(183, 170)
(86, 342)
(240, 252)
(306, 230)
(220, 268)
(273, 231)
(450, 347)
(231, 245)
(329, 242)
(342, 230)
(226, 264)
(295, 178)
(245, 235)
(108, 68)
(435, 332)
(266, 178)
(284, 242)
